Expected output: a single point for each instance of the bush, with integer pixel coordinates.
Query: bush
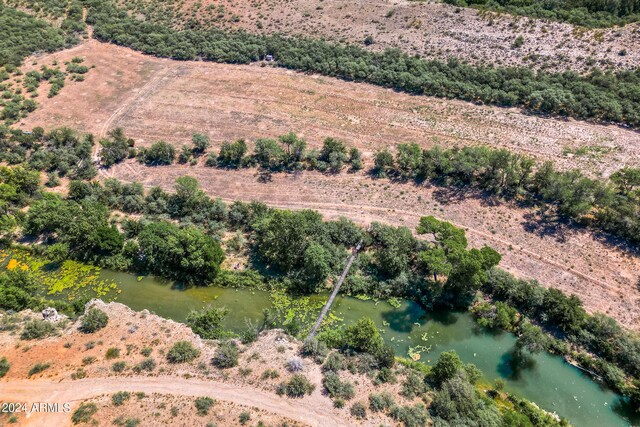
(207, 323)
(381, 402)
(226, 355)
(84, 413)
(4, 367)
(446, 367)
(244, 418)
(160, 153)
(36, 329)
(203, 404)
(120, 397)
(119, 367)
(93, 321)
(112, 353)
(296, 364)
(413, 385)
(334, 362)
(359, 410)
(37, 368)
(182, 352)
(311, 347)
(297, 386)
(146, 365)
(411, 416)
(336, 388)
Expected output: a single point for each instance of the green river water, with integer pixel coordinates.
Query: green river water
(545, 379)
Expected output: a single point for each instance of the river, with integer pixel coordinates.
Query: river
(542, 378)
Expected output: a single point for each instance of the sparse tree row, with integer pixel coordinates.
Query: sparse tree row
(578, 12)
(611, 205)
(602, 97)
(179, 235)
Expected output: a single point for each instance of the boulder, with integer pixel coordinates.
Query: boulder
(50, 314)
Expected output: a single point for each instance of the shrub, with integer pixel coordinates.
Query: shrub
(160, 153)
(226, 355)
(120, 397)
(112, 353)
(269, 374)
(244, 418)
(337, 388)
(181, 352)
(84, 413)
(207, 323)
(37, 368)
(334, 362)
(297, 386)
(413, 385)
(79, 374)
(146, 351)
(358, 410)
(339, 403)
(381, 402)
(200, 143)
(146, 365)
(88, 360)
(296, 364)
(203, 404)
(4, 367)
(118, 367)
(312, 347)
(446, 367)
(36, 329)
(93, 321)
(411, 416)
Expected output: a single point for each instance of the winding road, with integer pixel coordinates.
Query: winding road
(311, 410)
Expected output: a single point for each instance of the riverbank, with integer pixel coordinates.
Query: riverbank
(82, 368)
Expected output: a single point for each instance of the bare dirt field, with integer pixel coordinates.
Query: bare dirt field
(156, 99)
(160, 99)
(429, 29)
(237, 389)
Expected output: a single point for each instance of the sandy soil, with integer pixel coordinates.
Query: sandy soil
(242, 387)
(429, 29)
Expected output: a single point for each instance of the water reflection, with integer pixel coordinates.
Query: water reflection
(515, 364)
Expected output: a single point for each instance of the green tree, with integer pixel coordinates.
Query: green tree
(363, 336)
(208, 322)
(160, 153)
(200, 143)
(446, 367)
(182, 254)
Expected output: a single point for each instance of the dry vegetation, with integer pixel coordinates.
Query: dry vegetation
(239, 389)
(429, 29)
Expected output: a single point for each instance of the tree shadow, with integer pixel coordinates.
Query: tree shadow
(401, 320)
(624, 408)
(514, 364)
(543, 223)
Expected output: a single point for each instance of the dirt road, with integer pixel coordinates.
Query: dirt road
(312, 410)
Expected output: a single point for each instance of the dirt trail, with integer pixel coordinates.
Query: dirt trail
(573, 260)
(313, 410)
